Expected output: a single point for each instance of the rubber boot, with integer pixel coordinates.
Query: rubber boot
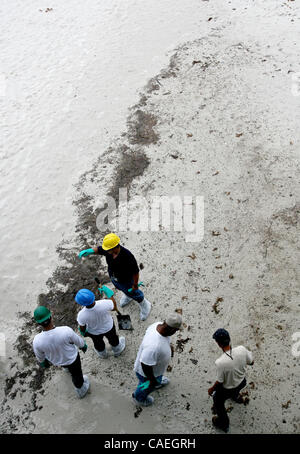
(125, 300)
(103, 354)
(81, 392)
(164, 381)
(119, 348)
(145, 309)
(216, 422)
(146, 403)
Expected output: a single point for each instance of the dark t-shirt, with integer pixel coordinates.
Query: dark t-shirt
(123, 267)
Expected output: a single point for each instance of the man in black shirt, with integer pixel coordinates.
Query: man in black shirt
(123, 271)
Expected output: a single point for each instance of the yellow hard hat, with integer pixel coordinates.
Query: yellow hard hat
(110, 241)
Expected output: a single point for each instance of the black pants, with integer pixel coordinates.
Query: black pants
(220, 396)
(76, 372)
(111, 336)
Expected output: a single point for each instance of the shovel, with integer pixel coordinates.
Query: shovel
(124, 321)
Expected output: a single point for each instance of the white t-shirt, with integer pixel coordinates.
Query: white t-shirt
(98, 319)
(232, 372)
(58, 345)
(154, 351)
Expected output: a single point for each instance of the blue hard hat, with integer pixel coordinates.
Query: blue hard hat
(221, 336)
(85, 297)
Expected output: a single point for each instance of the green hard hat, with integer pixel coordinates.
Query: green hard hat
(41, 314)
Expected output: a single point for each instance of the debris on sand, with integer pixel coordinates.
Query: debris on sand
(216, 304)
(244, 395)
(215, 308)
(180, 344)
(286, 406)
(138, 412)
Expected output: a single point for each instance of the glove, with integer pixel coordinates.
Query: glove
(86, 252)
(45, 364)
(140, 283)
(107, 291)
(144, 385)
(84, 348)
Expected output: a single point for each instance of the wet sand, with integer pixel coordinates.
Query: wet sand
(220, 121)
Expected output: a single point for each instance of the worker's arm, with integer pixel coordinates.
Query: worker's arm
(148, 371)
(135, 281)
(172, 350)
(82, 330)
(94, 250)
(41, 357)
(249, 358)
(115, 304)
(110, 294)
(214, 387)
(78, 341)
(75, 339)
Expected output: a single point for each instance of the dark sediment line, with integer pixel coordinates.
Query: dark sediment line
(132, 161)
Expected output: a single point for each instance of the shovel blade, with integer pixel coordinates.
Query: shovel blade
(124, 322)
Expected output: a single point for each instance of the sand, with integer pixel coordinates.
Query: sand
(220, 121)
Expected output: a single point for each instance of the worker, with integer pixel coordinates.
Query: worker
(231, 379)
(58, 346)
(123, 271)
(95, 321)
(153, 358)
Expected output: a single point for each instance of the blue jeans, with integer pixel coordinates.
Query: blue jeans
(136, 295)
(142, 394)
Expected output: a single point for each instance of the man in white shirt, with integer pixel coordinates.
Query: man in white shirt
(59, 347)
(153, 358)
(231, 368)
(95, 321)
